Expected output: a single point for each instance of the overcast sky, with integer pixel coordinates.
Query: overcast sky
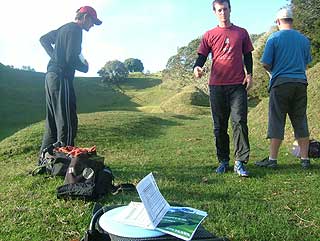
(150, 30)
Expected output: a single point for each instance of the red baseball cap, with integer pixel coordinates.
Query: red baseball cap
(90, 10)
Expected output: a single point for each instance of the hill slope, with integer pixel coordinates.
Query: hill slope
(278, 204)
(23, 101)
(179, 150)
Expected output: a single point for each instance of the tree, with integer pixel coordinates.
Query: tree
(254, 37)
(185, 57)
(28, 68)
(113, 71)
(179, 68)
(306, 14)
(134, 65)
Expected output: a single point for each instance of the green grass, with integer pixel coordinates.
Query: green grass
(23, 100)
(271, 205)
(279, 204)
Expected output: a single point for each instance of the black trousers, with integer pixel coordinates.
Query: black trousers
(226, 101)
(61, 116)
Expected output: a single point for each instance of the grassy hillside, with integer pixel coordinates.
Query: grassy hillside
(313, 101)
(190, 99)
(23, 100)
(279, 204)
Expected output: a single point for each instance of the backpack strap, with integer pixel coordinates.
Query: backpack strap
(44, 159)
(41, 168)
(122, 187)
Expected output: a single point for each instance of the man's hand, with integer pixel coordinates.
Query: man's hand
(198, 72)
(248, 81)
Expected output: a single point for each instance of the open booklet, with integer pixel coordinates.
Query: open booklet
(154, 212)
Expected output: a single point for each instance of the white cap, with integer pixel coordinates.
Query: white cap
(284, 13)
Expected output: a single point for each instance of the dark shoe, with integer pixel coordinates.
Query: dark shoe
(305, 163)
(267, 163)
(223, 167)
(240, 169)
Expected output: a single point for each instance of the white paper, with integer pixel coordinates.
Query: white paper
(154, 212)
(135, 214)
(152, 199)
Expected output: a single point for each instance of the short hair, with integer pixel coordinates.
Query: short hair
(287, 20)
(220, 2)
(79, 15)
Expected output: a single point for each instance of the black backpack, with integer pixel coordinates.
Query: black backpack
(85, 175)
(87, 178)
(314, 149)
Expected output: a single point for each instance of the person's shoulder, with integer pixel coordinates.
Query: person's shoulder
(238, 28)
(71, 26)
(301, 35)
(66, 25)
(274, 35)
(211, 32)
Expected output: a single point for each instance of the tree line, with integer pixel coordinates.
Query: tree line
(179, 67)
(114, 71)
(307, 20)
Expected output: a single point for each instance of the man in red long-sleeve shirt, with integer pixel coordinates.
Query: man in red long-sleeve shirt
(63, 45)
(230, 47)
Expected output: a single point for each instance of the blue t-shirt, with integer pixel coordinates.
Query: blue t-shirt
(288, 53)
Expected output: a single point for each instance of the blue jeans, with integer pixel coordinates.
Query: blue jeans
(225, 101)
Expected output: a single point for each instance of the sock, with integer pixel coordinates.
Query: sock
(272, 159)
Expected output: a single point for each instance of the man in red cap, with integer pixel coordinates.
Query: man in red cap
(63, 45)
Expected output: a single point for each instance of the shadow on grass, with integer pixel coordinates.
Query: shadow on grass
(186, 183)
(183, 117)
(102, 97)
(253, 102)
(143, 83)
(24, 109)
(148, 127)
(291, 168)
(140, 129)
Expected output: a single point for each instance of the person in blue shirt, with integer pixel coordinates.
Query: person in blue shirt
(286, 56)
